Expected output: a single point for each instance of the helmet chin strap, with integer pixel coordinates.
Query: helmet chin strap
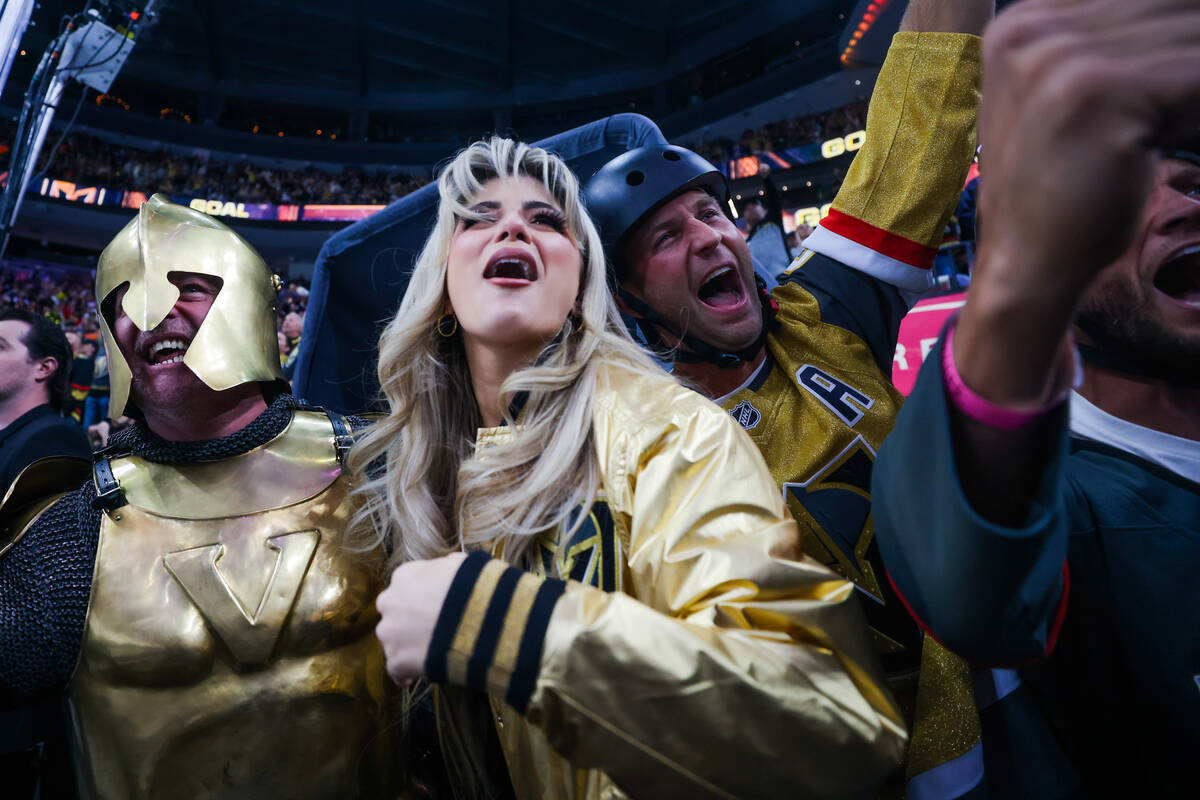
(653, 325)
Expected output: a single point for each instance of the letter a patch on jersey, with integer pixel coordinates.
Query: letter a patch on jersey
(848, 403)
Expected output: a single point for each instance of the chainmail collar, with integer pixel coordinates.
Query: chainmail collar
(140, 441)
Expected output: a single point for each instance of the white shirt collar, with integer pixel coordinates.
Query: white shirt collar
(1179, 455)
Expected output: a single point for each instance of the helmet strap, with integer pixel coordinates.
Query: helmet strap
(690, 349)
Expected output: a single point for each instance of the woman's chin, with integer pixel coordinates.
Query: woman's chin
(513, 335)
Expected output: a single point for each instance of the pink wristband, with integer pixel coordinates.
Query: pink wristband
(977, 408)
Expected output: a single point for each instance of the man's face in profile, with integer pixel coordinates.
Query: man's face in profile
(1148, 300)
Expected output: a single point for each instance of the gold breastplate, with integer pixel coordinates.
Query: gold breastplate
(229, 649)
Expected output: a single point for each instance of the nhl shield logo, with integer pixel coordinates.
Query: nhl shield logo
(746, 414)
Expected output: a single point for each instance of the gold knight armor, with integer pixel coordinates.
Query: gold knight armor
(236, 344)
(229, 648)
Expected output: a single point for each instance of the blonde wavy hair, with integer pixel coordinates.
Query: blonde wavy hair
(427, 491)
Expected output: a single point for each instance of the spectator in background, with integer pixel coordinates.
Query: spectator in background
(294, 297)
(768, 244)
(105, 429)
(764, 234)
(791, 240)
(82, 367)
(34, 355)
(293, 325)
(966, 212)
(95, 407)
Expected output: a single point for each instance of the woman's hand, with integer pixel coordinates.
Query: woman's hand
(408, 610)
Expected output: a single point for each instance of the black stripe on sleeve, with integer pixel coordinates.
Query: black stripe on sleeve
(529, 656)
(451, 614)
(490, 630)
(608, 546)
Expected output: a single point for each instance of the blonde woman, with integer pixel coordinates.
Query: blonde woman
(634, 617)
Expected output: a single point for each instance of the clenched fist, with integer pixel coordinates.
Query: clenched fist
(408, 610)
(1079, 96)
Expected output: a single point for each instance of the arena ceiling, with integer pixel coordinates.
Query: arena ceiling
(380, 54)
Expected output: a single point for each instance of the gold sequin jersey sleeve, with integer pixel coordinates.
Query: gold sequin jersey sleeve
(890, 213)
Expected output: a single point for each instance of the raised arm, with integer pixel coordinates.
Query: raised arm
(1073, 113)
(948, 16)
(889, 215)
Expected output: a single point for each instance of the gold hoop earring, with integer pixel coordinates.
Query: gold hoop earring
(447, 325)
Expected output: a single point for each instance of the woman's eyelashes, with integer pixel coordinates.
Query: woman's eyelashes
(468, 222)
(552, 219)
(555, 220)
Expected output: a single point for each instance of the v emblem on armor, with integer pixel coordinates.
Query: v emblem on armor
(250, 633)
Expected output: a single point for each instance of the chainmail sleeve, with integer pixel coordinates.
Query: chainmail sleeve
(45, 583)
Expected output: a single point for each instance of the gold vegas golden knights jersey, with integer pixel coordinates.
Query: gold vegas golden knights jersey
(823, 402)
(675, 645)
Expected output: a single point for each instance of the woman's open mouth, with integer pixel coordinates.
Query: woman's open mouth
(510, 266)
(1179, 278)
(722, 289)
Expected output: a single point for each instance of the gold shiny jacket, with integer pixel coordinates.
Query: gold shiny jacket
(676, 644)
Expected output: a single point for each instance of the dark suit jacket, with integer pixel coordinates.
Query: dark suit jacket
(38, 433)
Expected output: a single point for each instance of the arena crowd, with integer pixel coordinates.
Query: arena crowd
(550, 568)
(91, 161)
(791, 132)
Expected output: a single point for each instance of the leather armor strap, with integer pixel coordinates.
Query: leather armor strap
(343, 435)
(108, 489)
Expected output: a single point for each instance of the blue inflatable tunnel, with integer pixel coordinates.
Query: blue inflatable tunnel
(362, 272)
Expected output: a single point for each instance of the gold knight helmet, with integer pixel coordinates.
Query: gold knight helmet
(237, 342)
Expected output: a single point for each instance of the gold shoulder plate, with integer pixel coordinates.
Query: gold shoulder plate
(296, 465)
(35, 489)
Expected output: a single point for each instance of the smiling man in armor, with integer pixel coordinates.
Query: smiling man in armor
(196, 599)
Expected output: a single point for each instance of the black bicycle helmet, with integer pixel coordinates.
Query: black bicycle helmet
(627, 190)
(636, 183)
